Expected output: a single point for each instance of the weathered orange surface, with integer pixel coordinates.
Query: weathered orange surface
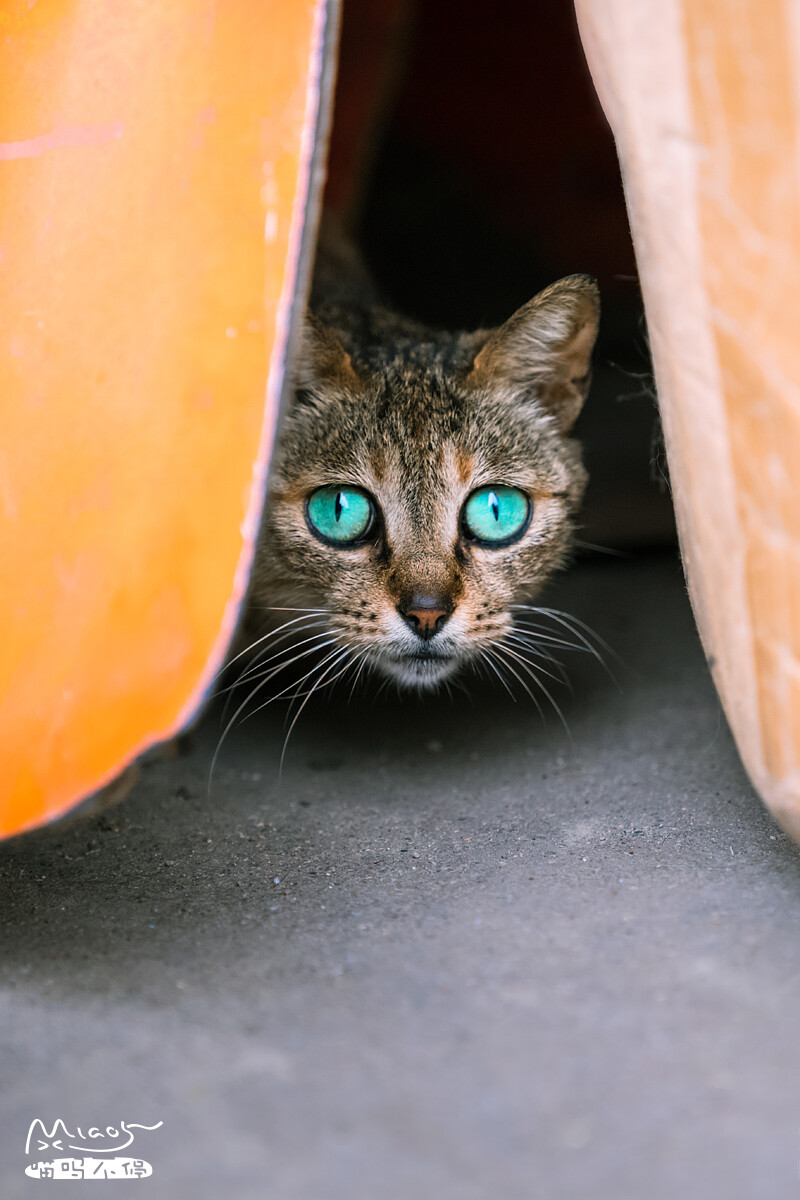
(153, 174)
(703, 99)
(744, 98)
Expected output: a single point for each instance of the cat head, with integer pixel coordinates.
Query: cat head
(425, 483)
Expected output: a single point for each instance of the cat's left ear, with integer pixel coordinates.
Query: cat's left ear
(545, 348)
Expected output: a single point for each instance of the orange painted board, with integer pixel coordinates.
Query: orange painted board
(155, 177)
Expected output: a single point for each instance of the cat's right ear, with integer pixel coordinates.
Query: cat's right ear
(322, 362)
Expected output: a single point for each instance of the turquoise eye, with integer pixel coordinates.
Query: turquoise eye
(497, 515)
(339, 514)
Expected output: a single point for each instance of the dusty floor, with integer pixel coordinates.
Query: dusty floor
(450, 954)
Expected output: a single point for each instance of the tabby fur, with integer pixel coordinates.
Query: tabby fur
(419, 419)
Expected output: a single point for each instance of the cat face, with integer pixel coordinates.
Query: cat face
(422, 488)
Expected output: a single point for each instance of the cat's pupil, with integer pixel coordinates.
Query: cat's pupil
(338, 505)
(494, 504)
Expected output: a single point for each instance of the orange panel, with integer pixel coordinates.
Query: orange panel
(154, 173)
(741, 76)
(703, 99)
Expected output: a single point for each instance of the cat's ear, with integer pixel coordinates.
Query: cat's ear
(322, 361)
(545, 348)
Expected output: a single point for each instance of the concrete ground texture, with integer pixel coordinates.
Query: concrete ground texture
(451, 952)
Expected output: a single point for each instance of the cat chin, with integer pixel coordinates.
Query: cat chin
(419, 674)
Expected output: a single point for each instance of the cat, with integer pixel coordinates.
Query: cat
(424, 485)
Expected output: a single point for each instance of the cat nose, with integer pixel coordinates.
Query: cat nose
(425, 615)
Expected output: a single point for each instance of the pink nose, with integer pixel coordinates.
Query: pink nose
(427, 620)
(426, 617)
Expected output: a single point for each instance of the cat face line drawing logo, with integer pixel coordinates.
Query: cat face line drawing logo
(60, 1139)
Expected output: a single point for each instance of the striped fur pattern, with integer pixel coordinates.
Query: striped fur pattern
(419, 419)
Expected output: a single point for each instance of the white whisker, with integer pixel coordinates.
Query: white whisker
(537, 630)
(499, 657)
(259, 641)
(262, 664)
(361, 659)
(488, 658)
(293, 608)
(298, 693)
(575, 626)
(535, 677)
(252, 694)
(345, 654)
(259, 670)
(524, 648)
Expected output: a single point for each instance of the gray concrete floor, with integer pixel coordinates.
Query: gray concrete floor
(450, 954)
